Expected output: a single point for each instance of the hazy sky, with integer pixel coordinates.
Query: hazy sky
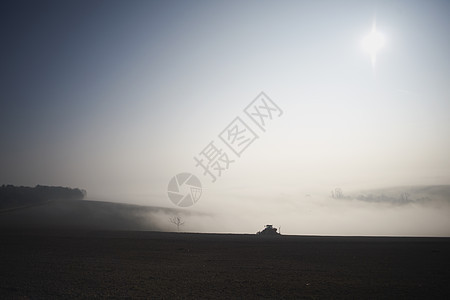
(116, 97)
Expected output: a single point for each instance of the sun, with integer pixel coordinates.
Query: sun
(373, 42)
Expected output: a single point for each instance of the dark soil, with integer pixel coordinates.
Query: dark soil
(113, 264)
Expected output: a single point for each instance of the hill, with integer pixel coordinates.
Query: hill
(86, 214)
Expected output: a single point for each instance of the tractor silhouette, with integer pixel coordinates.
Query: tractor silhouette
(269, 231)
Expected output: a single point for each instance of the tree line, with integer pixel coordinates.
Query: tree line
(11, 196)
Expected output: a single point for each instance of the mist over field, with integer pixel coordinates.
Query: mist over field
(376, 212)
(399, 211)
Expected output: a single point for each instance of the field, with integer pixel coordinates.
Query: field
(43, 264)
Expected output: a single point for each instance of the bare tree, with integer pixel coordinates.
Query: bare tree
(177, 221)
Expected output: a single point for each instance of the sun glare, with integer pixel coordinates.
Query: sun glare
(372, 43)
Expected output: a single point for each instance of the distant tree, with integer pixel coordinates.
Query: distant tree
(404, 197)
(337, 193)
(177, 221)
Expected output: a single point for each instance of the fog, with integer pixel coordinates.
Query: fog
(320, 214)
(398, 211)
(118, 97)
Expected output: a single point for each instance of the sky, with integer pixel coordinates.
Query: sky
(117, 97)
